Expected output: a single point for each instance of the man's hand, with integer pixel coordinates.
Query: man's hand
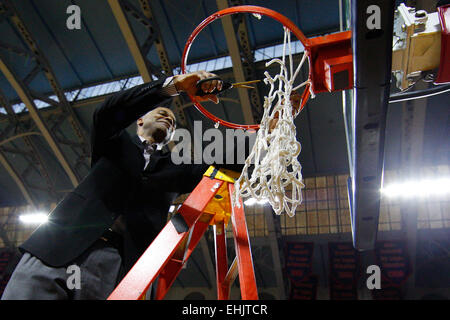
(296, 99)
(188, 83)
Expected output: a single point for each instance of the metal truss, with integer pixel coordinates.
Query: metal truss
(247, 59)
(242, 58)
(8, 242)
(78, 143)
(23, 130)
(122, 10)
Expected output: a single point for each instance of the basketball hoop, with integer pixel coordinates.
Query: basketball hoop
(243, 9)
(276, 176)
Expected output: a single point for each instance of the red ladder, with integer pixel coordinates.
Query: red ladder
(208, 204)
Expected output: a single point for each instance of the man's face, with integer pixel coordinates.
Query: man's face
(158, 124)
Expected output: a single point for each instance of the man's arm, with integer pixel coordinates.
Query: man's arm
(122, 109)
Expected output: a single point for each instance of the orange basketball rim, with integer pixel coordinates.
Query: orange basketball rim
(319, 49)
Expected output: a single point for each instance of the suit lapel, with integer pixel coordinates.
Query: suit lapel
(138, 144)
(158, 155)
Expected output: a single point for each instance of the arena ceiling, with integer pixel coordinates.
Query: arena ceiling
(52, 78)
(58, 68)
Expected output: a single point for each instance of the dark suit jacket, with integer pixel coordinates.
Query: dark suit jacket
(116, 185)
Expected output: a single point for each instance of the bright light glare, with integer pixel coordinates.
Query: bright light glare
(34, 218)
(172, 207)
(424, 188)
(252, 201)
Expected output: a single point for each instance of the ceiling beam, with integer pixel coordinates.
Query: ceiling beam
(238, 69)
(44, 66)
(248, 58)
(7, 243)
(164, 59)
(119, 9)
(20, 135)
(17, 179)
(130, 38)
(26, 98)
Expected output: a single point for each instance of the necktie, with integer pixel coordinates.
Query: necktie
(148, 150)
(148, 147)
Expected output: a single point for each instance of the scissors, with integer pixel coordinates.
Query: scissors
(225, 86)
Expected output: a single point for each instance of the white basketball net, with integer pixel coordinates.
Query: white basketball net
(276, 176)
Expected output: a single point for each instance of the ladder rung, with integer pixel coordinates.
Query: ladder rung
(177, 260)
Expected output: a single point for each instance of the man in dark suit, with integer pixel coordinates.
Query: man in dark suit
(105, 224)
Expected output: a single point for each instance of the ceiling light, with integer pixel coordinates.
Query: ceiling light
(34, 218)
(421, 188)
(252, 201)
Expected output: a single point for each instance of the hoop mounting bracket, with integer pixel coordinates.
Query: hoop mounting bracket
(332, 62)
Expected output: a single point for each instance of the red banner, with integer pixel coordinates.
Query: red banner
(298, 257)
(343, 291)
(344, 271)
(304, 290)
(299, 260)
(393, 259)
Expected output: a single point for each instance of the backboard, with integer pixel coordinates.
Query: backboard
(364, 110)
